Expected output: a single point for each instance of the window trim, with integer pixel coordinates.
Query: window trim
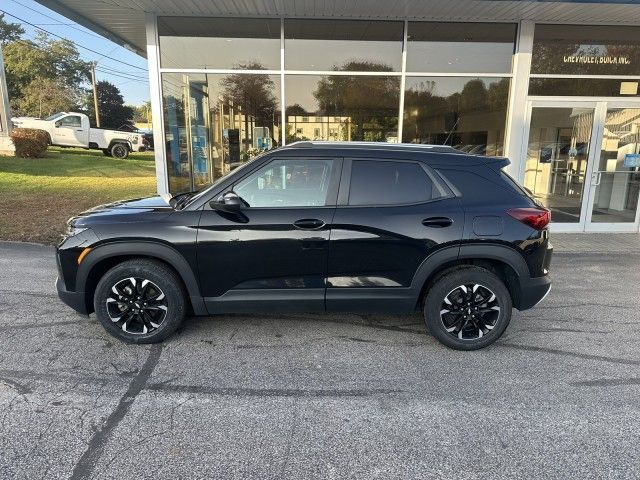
(345, 183)
(332, 191)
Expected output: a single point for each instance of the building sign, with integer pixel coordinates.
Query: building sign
(581, 50)
(594, 59)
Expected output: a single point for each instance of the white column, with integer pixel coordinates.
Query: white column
(6, 146)
(517, 112)
(155, 91)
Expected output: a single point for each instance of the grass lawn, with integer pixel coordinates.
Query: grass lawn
(37, 196)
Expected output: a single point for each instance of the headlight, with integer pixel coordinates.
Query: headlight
(72, 231)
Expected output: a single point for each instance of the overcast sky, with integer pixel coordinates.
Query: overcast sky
(134, 88)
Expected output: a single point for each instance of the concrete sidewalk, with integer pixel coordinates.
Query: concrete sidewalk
(596, 242)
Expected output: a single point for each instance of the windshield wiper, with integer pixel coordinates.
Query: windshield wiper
(180, 200)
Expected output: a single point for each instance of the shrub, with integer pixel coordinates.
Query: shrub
(30, 142)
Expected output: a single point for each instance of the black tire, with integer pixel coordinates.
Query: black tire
(484, 317)
(106, 152)
(131, 318)
(119, 150)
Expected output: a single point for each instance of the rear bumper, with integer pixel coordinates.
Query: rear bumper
(75, 300)
(533, 291)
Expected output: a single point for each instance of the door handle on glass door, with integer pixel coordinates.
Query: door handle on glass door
(596, 177)
(309, 224)
(437, 222)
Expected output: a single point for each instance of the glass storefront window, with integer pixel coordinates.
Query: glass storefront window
(242, 43)
(460, 47)
(466, 113)
(342, 108)
(618, 171)
(213, 123)
(586, 50)
(350, 45)
(584, 87)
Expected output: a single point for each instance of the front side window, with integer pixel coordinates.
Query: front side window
(288, 183)
(390, 183)
(71, 121)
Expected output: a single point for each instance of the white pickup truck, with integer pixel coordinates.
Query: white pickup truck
(69, 129)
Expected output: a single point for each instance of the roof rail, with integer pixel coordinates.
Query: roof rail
(373, 145)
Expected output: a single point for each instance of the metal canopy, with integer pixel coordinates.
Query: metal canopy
(123, 21)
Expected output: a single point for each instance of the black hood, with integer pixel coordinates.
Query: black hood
(125, 211)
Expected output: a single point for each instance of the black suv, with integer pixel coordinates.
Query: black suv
(319, 227)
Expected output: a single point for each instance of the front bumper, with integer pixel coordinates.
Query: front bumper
(75, 300)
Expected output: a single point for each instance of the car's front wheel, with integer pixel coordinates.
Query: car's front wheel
(468, 308)
(140, 301)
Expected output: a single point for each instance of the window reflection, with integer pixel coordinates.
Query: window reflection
(191, 42)
(467, 113)
(343, 44)
(342, 108)
(213, 123)
(460, 47)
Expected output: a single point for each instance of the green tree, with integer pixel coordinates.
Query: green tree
(44, 97)
(46, 58)
(9, 32)
(142, 113)
(113, 112)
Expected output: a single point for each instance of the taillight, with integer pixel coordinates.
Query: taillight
(537, 218)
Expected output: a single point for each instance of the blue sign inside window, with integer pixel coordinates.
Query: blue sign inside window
(632, 160)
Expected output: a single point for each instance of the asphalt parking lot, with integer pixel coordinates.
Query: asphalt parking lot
(323, 396)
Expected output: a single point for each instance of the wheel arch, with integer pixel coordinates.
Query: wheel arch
(502, 260)
(115, 141)
(102, 258)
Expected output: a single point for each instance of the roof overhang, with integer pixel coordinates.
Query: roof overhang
(123, 21)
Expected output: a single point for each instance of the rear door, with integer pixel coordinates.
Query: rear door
(273, 254)
(391, 215)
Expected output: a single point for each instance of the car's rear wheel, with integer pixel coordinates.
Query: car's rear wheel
(468, 308)
(140, 301)
(119, 150)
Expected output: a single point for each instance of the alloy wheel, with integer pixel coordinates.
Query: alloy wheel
(469, 311)
(138, 305)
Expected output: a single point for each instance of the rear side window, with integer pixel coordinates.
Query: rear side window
(375, 182)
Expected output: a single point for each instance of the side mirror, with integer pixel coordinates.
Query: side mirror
(229, 203)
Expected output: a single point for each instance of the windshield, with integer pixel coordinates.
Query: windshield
(242, 167)
(54, 116)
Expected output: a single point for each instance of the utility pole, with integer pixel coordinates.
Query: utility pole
(95, 93)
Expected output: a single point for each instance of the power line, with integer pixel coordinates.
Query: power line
(75, 43)
(71, 25)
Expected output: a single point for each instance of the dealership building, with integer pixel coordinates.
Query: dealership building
(553, 85)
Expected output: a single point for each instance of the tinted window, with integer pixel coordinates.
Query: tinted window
(460, 47)
(389, 183)
(287, 183)
(242, 43)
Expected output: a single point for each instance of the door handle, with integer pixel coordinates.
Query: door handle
(437, 222)
(596, 178)
(309, 224)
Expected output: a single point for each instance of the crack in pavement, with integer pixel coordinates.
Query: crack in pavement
(608, 382)
(97, 443)
(42, 325)
(269, 392)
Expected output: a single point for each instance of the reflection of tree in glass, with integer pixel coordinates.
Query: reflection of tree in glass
(254, 94)
(371, 102)
(434, 118)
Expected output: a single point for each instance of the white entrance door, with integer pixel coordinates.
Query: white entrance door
(615, 179)
(559, 158)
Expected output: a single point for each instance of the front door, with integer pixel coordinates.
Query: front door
(559, 157)
(583, 163)
(274, 252)
(70, 132)
(615, 181)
